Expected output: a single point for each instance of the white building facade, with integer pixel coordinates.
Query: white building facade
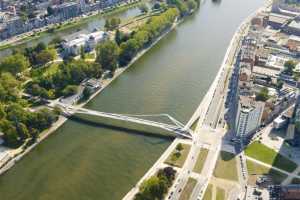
(249, 116)
(86, 41)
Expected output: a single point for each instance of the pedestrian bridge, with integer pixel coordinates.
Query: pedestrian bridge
(176, 127)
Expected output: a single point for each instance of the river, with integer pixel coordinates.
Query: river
(87, 162)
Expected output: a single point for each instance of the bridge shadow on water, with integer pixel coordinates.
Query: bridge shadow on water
(127, 128)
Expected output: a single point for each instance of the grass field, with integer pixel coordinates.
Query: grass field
(264, 154)
(178, 161)
(226, 167)
(220, 194)
(208, 192)
(90, 56)
(188, 189)
(200, 160)
(256, 169)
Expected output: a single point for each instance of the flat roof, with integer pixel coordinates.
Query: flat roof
(281, 19)
(276, 61)
(265, 71)
(294, 24)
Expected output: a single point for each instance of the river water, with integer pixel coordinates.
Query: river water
(87, 162)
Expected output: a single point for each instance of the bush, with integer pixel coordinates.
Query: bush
(70, 90)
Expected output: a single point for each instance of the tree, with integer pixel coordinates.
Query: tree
(179, 147)
(111, 24)
(2, 112)
(40, 47)
(45, 56)
(156, 186)
(8, 88)
(86, 93)
(118, 37)
(142, 38)
(289, 67)
(144, 8)
(169, 173)
(14, 64)
(128, 51)
(50, 10)
(56, 41)
(107, 55)
(279, 84)
(156, 6)
(263, 94)
(70, 90)
(192, 5)
(82, 53)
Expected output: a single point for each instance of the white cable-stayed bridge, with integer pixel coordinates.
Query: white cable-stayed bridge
(176, 127)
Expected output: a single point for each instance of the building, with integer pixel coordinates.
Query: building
(290, 192)
(66, 10)
(260, 20)
(249, 116)
(277, 21)
(71, 100)
(86, 41)
(92, 84)
(293, 28)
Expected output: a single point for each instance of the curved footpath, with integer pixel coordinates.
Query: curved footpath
(18, 154)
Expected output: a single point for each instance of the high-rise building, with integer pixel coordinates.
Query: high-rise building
(82, 5)
(249, 116)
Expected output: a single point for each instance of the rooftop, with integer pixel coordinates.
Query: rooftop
(277, 18)
(294, 24)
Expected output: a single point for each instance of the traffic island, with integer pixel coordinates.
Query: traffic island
(178, 155)
(220, 194)
(200, 160)
(188, 189)
(208, 192)
(226, 167)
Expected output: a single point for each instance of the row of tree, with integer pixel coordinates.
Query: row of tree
(110, 54)
(156, 186)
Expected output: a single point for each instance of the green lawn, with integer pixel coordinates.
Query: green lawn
(44, 71)
(194, 125)
(226, 167)
(90, 56)
(220, 194)
(188, 189)
(200, 160)
(263, 153)
(178, 161)
(208, 192)
(256, 169)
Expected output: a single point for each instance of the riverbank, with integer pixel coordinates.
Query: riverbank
(18, 154)
(20, 40)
